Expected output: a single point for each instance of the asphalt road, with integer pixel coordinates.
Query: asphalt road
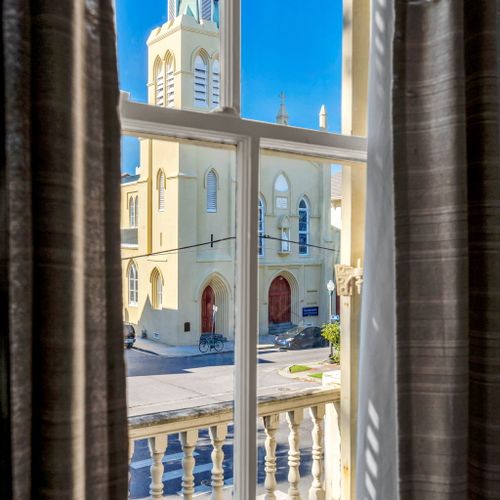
(157, 383)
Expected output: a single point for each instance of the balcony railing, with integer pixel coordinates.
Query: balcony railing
(186, 423)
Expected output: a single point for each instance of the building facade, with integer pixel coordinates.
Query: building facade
(178, 211)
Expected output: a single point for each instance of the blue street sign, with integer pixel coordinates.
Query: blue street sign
(310, 311)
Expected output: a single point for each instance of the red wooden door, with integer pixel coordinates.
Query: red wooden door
(280, 301)
(207, 303)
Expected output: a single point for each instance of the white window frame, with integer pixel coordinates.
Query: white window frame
(261, 225)
(131, 212)
(250, 137)
(161, 191)
(170, 82)
(306, 231)
(200, 80)
(133, 285)
(215, 83)
(212, 195)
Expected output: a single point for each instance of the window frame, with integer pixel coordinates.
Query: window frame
(225, 126)
(212, 174)
(131, 289)
(306, 231)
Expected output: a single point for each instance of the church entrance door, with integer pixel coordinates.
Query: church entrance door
(207, 303)
(280, 301)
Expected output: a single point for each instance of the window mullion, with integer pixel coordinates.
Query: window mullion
(246, 320)
(230, 55)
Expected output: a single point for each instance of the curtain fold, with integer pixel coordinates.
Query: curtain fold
(435, 237)
(61, 263)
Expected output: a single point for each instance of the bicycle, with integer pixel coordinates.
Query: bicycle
(211, 341)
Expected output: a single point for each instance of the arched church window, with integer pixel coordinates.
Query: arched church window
(170, 82)
(131, 212)
(200, 82)
(261, 226)
(303, 227)
(133, 285)
(159, 83)
(161, 191)
(136, 203)
(212, 191)
(215, 83)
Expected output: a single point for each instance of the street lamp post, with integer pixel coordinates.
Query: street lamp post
(331, 288)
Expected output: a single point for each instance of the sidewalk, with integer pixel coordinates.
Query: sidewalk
(153, 347)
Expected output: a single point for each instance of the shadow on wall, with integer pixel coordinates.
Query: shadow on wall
(372, 453)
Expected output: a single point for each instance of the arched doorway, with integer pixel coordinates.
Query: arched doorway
(207, 303)
(280, 301)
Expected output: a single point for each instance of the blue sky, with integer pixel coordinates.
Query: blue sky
(287, 45)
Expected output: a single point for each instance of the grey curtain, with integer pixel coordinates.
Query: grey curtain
(64, 428)
(429, 420)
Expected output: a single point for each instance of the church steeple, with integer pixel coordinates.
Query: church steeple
(206, 10)
(282, 116)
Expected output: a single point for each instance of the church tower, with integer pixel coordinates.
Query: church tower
(183, 57)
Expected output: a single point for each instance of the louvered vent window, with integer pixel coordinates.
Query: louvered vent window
(133, 285)
(200, 82)
(161, 192)
(212, 191)
(131, 212)
(160, 88)
(215, 83)
(170, 85)
(206, 9)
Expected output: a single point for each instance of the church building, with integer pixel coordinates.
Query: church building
(178, 211)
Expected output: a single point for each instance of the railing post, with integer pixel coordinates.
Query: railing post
(294, 418)
(317, 491)
(157, 447)
(188, 441)
(271, 424)
(131, 447)
(218, 434)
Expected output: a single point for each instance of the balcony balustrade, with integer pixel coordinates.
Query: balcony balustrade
(216, 418)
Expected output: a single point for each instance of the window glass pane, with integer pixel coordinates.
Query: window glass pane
(178, 270)
(171, 45)
(300, 249)
(294, 47)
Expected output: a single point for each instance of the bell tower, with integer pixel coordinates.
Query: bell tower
(183, 57)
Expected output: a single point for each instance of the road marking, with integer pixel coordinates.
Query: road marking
(140, 464)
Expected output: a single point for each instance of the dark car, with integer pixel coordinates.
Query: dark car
(301, 337)
(128, 335)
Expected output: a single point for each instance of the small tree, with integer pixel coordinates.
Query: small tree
(331, 332)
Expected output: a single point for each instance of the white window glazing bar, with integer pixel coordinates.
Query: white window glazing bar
(230, 55)
(245, 394)
(143, 120)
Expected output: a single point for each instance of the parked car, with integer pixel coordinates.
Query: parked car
(301, 337)
(128, 335)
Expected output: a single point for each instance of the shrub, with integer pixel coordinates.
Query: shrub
(331, 332)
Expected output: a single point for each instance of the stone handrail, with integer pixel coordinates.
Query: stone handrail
(156, 427)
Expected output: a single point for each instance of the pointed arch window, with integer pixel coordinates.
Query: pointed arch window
(261, 226)
(136, 209)
(159, 84)
(156, 289)
(215, 83)
(161, 191)
(170, 82)
(212, 191)
(200, 82)
(303, 227)
(133, 285)
(131, 212)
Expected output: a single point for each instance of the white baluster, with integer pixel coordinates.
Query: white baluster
(188, 441)
(294, 418)
(218, 434)
(131, 446)
(317, 492)
(157, 447)
(271, 424)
